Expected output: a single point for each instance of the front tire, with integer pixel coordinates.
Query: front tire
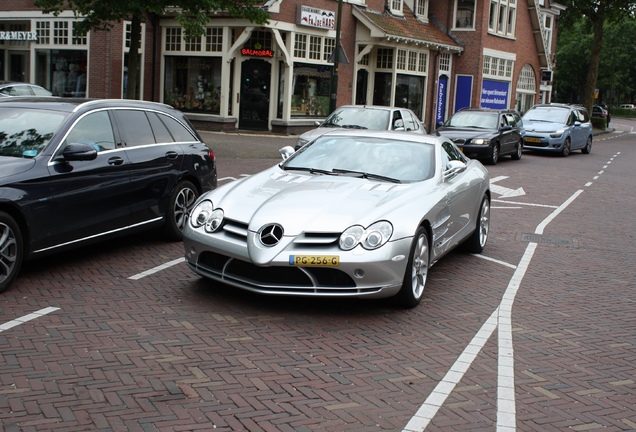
(477, 241)
(565, 151)
(494, 155)
(416, 271)
(519, 151)
(181, 202)
(588, 146)
(11, 250)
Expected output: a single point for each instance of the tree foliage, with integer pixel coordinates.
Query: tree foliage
(193, 15)
(587, 20)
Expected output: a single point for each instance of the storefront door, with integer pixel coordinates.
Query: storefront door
(254, 99)
(19, 66)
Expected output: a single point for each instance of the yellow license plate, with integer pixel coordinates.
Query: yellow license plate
(534, 140)
(314, 260)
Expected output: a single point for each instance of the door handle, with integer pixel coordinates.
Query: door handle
(116, 160)
(171, 155)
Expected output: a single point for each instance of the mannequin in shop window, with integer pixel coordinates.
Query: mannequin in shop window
(59, 79)
(71, 81)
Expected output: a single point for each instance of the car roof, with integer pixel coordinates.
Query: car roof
(78, 104)
(379, 107)
(504, 110)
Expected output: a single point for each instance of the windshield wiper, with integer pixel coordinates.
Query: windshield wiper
(349, 126)
(366, 175)
(308, 169)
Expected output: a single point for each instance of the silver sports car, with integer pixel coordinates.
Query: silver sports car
(352, 214)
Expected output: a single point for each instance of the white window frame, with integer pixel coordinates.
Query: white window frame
(502, 18)
(312, 48)
(457, 17)
(421, 9)
(498, 65)
(396, 6)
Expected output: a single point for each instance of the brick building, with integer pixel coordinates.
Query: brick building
(434, 57)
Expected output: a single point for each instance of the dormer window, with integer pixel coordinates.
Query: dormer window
(421, 9)
(465, 14)
(395, 6)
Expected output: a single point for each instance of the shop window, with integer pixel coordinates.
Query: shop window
(409, 91)
(193, 83)
(310, 87)
(62, 71)
(465, 14)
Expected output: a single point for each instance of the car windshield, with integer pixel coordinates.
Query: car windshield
(25, 132)
(365, 157)
(359, 118)
(474, 119)
(547, 114)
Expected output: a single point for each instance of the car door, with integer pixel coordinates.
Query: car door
(585, 130)
(507, 138)
(155, 160)
(459, 200)
(410, 123)
(89, 197)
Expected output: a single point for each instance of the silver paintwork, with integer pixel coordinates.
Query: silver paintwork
(314, 209)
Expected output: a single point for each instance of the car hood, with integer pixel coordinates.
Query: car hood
(464, 133)
(315, 133)
(12, 165)
(310, 203)
(543, 126)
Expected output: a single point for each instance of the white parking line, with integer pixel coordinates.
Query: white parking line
(501, 318)
(156, 269)
(25, 318)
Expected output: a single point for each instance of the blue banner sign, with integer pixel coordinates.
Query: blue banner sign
(494, 94)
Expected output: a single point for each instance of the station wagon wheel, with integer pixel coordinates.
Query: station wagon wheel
(11, 250)
(565, 152)
(181, 202)
(477, 241)
(494, 155)
(416, 271)
(588, 146)
(519, 151)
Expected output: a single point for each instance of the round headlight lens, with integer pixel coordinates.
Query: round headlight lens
(377, 234)
(351, 237)
(214, 221)
(200, 214)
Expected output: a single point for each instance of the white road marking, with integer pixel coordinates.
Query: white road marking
(525, 204)
(503, 263)
(504, 191)
(156, 269)
(501, 318)
(25, 318)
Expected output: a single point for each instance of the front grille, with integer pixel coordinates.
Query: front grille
(282, 279)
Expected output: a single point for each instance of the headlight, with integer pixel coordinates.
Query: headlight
(481, 141)
(371, 238)
(557, 134)
(200, 214)
(204, 214)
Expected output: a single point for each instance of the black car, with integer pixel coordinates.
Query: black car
(485, 134)
(75, 171)
(13, 88)
(601, 112)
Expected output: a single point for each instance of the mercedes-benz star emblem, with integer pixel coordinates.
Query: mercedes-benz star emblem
(271, 234)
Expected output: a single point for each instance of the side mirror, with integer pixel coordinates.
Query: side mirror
(286, 152)
(453, 168)
(317, 123)
(78, 152)
(505, 128)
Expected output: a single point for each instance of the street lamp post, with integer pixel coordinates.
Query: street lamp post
(334, 73)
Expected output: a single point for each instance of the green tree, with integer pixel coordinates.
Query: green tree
(193, 15)
(595, 14)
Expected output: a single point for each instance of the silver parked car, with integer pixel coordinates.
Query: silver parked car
(365, 117)
(352, 214)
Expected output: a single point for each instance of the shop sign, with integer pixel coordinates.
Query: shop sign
(494, 94)
(442, 90)
(251, 52)
(18, 35)
(313, 17)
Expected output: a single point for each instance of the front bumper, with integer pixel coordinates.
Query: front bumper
(360, 273)
(476, 151)
(543, 143)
